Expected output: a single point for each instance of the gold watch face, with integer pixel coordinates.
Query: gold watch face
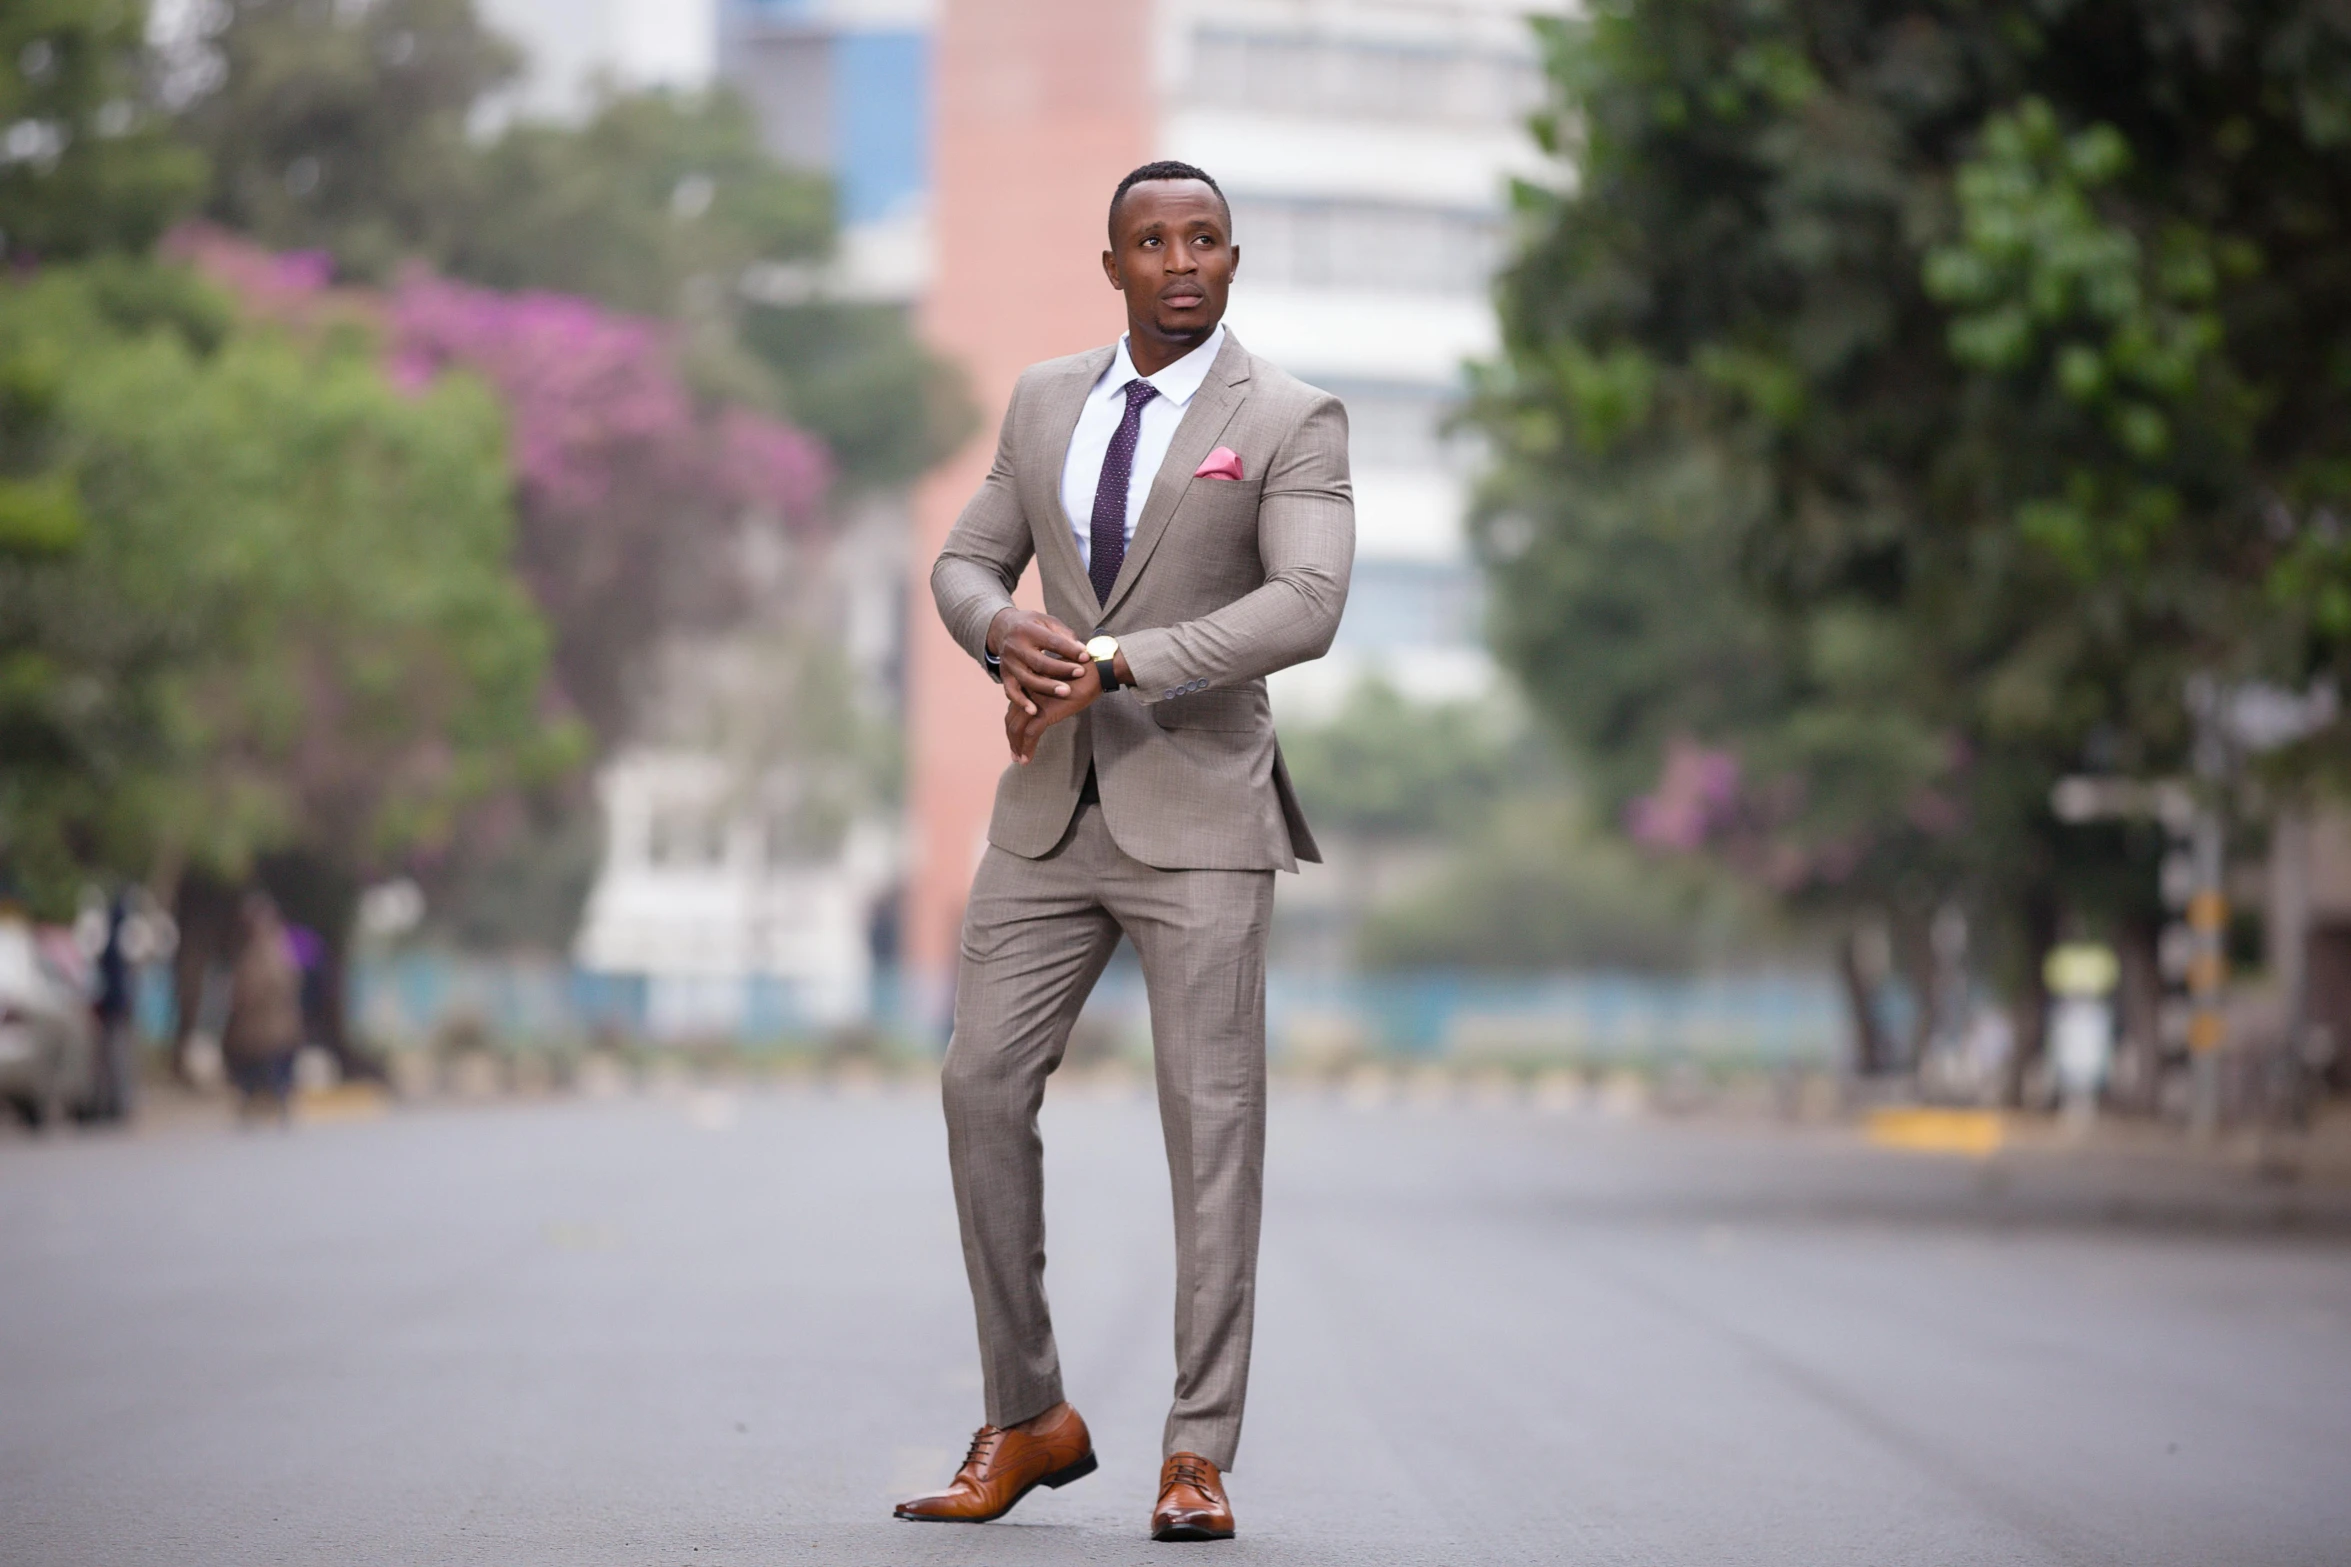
(1102, 648)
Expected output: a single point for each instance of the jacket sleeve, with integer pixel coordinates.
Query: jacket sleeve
(986, 551)
(1306, 538)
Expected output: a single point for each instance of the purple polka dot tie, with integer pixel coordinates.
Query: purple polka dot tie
(1110, 493)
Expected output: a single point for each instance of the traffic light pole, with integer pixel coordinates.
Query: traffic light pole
(2208, 919)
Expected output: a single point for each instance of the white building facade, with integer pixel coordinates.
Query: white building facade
(1367, 148)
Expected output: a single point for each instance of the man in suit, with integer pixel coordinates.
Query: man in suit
(1188, 507)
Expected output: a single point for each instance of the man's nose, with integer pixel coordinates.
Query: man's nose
(1180, 259)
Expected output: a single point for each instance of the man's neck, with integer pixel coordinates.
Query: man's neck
(1152, 354)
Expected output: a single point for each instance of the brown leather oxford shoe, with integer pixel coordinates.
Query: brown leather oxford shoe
(1006, 1464)
(1192, 1504)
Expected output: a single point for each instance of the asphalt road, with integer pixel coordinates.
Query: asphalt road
(721, 1328)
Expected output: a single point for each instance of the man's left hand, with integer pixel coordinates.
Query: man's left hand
(1022, 730)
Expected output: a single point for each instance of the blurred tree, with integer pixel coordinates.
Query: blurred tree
(664, 203)
(287, 625)
(1899, 404)
(1386, 767)
(87, 164)
(633, 500)
(854, 373)
(79, 706)
(343, 128)
(1531, 888)
(656, 196)
(1468, 848)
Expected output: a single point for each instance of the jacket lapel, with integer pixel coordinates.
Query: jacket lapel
(1057, 424)
(1203, 422)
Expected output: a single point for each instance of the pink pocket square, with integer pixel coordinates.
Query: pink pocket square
(1223, 463)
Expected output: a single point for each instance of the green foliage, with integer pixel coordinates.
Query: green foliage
(288, 619)
(1531, 888)
(1387, 768)
(1905, 403)
(2039, 282)
(656, 190)
(342, 128)
(88, 166)
(855, 374)
(1475, 853)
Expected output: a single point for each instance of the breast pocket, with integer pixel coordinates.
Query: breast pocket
(1216, 508)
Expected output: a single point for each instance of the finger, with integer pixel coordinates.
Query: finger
(1015, 695)
(1043, 678)
(1049, 663)
(1059, 638)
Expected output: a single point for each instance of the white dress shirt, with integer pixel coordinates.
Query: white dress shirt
(1106, 405)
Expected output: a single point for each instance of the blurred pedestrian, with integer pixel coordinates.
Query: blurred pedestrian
(264, 1029)
(1187, 502)
(114, 1086)
(310, 956)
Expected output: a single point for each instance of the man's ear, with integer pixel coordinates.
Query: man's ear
(1110, 270)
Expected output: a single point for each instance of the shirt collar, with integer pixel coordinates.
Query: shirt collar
(1179, 381)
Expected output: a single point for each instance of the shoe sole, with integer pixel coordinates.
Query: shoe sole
(1187, 1531)
(1052, 1482)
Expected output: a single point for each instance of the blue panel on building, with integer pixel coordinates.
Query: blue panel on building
(881, 121)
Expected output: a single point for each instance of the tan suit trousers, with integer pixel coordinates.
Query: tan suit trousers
(1036, 936)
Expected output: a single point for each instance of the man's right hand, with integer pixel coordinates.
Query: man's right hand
(1040, 655)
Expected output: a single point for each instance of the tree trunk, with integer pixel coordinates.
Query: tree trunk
(1914, 959)
(2032, 1021)
(1869, 1038)
(204, 908)
(2138, 1016)
(311, 890)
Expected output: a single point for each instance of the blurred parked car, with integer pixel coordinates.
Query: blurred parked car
(48, 1036)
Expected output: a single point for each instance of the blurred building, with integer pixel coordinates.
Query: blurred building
(1367, 149)
(1366, 146)
(748, 855)
(844, 86)
(742, 891)
(570, 47)
(739, 920)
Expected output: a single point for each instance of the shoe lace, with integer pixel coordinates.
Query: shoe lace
(1184, 1469)
(983, 1443)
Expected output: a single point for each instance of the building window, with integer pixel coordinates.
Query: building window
(685, 839)
(1366, 244)
(1408, 604)
(807, 832)
(1393, 425)
(1289, 73)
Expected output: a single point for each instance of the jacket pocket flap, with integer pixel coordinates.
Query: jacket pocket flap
(1243, 708)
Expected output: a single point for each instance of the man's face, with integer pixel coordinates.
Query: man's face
(1173, 258)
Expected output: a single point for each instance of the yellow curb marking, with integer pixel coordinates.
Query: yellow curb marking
(344, 1102)
(1976, 1134)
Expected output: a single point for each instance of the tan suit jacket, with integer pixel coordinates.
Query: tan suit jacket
(1225, 582)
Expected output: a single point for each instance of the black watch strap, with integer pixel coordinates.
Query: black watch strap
(1107, 668)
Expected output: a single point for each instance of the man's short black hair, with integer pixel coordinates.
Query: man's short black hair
(1164, 169)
